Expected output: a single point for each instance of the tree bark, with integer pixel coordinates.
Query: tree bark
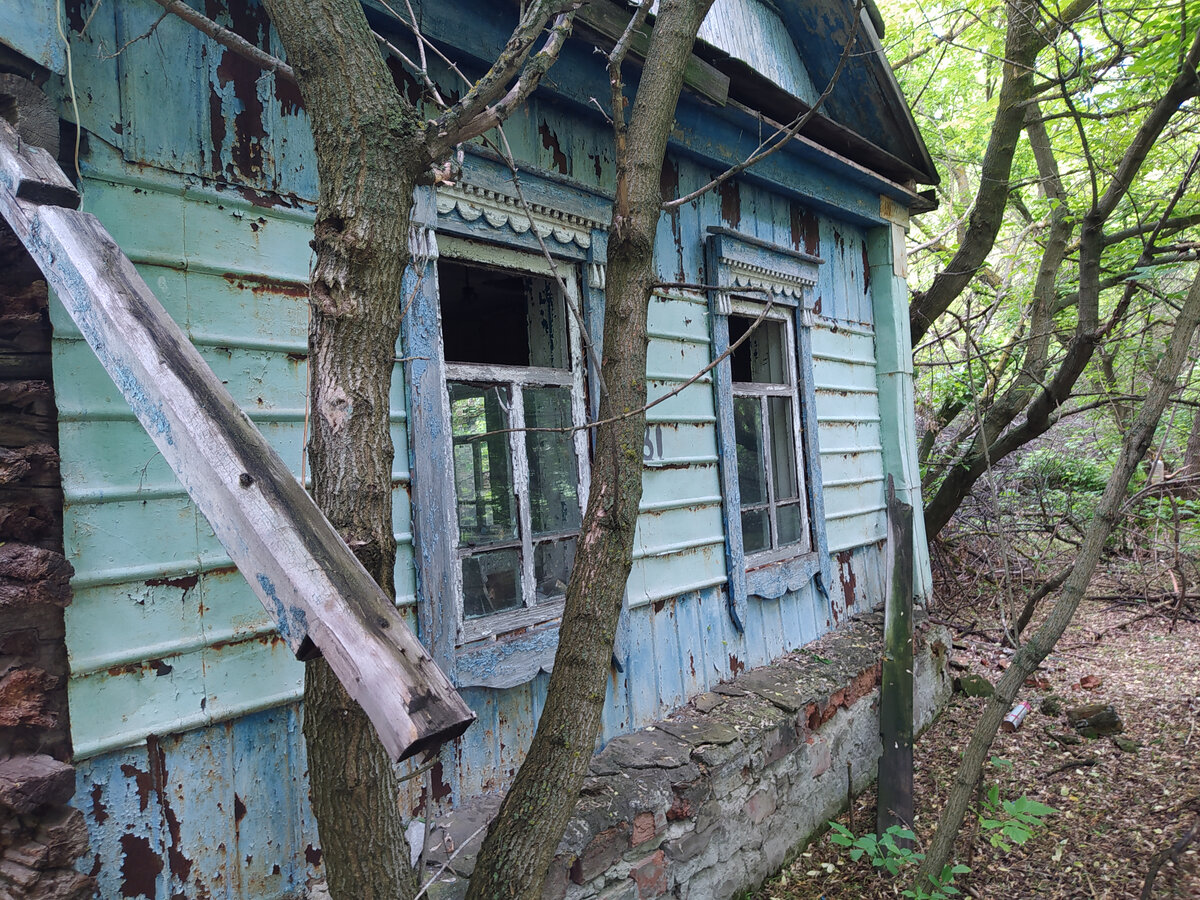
(369, 154)
(521, 843)
(1022, 43)
(998, 440)
(1027, 659)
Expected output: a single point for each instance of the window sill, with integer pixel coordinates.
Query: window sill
(770, 580)
(508, 661)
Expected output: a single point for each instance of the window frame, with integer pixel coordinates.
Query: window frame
(515, 379)
(747, 272)
(762, 391)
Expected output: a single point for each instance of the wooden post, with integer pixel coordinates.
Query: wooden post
(321, 598)
(896, 693)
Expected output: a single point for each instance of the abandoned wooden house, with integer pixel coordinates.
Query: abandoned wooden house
(150, 667)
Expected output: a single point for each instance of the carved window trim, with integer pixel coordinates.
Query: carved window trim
(506, 649)
(786, 277)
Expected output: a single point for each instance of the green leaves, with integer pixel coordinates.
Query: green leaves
(1011, 821)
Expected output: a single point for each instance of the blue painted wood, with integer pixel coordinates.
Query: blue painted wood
(435, 531)
(641, 672)
(510, 662)
(244, 835)
(667, 655)
(732, 257)
(735, 556)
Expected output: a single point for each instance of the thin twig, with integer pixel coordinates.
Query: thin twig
(438, 874)
(229, 39)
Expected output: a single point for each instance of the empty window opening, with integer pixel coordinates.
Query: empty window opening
(509, 367)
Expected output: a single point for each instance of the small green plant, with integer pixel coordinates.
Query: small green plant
(889, 854)
(1008, 822)
(883, 852)
(1052, 469)
(941, 887)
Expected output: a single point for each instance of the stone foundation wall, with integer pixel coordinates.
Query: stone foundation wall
(40, 836)
(717, 798)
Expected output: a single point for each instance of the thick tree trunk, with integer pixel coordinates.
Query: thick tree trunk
(1022, 43)
(1041, 411)
(521, 843)
(1027, 659)
(368, 146)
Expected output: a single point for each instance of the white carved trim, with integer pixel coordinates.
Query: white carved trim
(504, 211)
(596, 276)
(790, 284)
(422, 244)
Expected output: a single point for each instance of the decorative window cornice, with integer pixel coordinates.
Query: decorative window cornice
(791, 283)
(740, 261)
(508, 212)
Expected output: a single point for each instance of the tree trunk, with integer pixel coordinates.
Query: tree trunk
(1041, 411)
(1022, 43)
(1027, 659)
(521, 843)
(368, 155)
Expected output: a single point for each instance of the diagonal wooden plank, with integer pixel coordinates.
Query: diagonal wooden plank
(321, 598)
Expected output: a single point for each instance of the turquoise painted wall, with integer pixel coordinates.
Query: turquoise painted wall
(213, 203)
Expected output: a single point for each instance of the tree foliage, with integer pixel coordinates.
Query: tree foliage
(1046, 303)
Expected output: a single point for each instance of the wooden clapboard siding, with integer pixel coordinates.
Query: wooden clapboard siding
(848, 419)
(233, 276)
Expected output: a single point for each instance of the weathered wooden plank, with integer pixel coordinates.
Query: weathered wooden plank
(611, 20)
(896, 693)
(30, 173)
(320, 596)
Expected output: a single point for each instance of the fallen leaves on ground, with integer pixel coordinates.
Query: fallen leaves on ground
(1116, 807)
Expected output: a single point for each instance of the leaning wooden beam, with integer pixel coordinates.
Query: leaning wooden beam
(320, 596)
(895, 793)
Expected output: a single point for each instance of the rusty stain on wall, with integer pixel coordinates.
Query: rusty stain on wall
(846, 576)
(731, 203)
(550, 142)
(805, 229)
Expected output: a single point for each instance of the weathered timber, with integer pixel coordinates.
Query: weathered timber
(610, 21)
(895, 805)
(321, 598)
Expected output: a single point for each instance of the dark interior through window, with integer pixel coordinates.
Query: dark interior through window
(501, 318)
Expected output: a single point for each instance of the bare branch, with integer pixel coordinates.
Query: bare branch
(492, 86)
(793, 130)
(531, 76)
(229, 39)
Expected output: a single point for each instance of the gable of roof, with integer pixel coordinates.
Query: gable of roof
(781, 55)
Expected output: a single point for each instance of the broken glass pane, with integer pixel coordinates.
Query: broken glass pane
(553, 473)
(761, 358)
(783, 448)
(482, 470)
(552, 562)
(747, 427)
(756, 530)
(491, 583)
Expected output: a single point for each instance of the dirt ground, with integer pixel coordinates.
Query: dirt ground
(1116, 808)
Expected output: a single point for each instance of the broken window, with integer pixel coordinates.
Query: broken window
(515, 392)
(766, 421)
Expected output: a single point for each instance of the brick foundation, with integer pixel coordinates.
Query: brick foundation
(712, 801)
(40, 835)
